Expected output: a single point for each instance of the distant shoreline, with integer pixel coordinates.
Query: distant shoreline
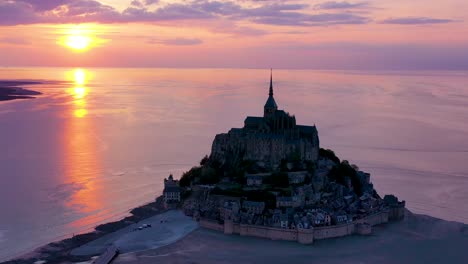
(12, 90)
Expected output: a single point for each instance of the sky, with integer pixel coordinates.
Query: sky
(293, 34)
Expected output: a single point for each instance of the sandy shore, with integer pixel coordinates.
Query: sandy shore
(165, 229)
(417, 239)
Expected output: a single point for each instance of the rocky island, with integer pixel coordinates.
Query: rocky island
(271, 179)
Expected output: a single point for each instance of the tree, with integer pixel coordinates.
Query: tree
(208, 175)
(341, 172)
(278, 179)
(189, 176)
(329, 154)
(204, 161)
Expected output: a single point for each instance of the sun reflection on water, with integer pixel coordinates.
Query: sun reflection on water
(81, 150)
(79, 78)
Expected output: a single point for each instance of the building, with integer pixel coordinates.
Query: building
(284, 201)
(253, 207)
(171, 191)
(254, 179)
(297, 177)
(267, 140)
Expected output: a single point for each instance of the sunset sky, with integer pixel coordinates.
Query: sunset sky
(377, 34)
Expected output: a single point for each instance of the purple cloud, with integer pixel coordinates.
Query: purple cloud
(176, 41)
(340, 5)
(150, 2)
(136, 3)
(16, 12)
(416, 21)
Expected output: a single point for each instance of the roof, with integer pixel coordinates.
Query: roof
(307, 129)
(254, 177)
(253, 204)
(284, 199)
(270, 103)
(171, 189)
(253, 120)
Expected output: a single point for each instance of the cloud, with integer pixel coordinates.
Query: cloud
(14, 12)
(416, 21)
(341, 5)
(150, 2)
(136, 3)
(176, 41)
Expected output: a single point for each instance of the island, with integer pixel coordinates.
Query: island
(266, 193)
(271, 179)
(11, 90)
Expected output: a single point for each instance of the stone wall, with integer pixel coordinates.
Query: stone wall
(397, 212)
(268, 149)
(210, 224)
(375, 219)
(333, 231)
(304, 236)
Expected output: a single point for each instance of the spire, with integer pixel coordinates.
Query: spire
(270, 106)
(271, 82)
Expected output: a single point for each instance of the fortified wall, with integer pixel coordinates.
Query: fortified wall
(304, 236)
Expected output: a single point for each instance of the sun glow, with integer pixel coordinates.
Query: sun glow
(80, 38)
(77, 42)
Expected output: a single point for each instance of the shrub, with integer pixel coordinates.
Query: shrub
(189, 176)
(329, 154)
(341, 172)
(204, 161)
(278, 179)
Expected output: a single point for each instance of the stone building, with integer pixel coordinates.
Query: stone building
(254, 180)
(268, 139)
(284, 201)
(171, 191)
(253, 207)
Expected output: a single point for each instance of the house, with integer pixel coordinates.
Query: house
(296, 177)
(340, 219)
(284, 221)
(284, 201)
(253, 207)
(172, 190)
(254, 180)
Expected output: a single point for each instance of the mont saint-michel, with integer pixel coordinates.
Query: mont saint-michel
(268, 191)
(271, 179)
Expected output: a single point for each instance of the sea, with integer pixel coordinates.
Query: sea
(99, 141)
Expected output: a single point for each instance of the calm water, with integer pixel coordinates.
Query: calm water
(100, 141)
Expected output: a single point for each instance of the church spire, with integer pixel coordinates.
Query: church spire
(270, 106)
(271, 82)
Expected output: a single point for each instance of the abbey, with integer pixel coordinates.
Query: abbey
(267, 140)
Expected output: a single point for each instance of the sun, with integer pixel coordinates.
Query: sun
(79, 38)
(78, 42)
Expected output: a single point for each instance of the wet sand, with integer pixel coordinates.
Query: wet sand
(166, 228)
(417, 239)
(11, 90)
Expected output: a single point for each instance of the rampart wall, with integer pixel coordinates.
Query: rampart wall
(303, 236)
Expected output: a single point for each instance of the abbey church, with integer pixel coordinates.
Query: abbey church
(268, 139)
